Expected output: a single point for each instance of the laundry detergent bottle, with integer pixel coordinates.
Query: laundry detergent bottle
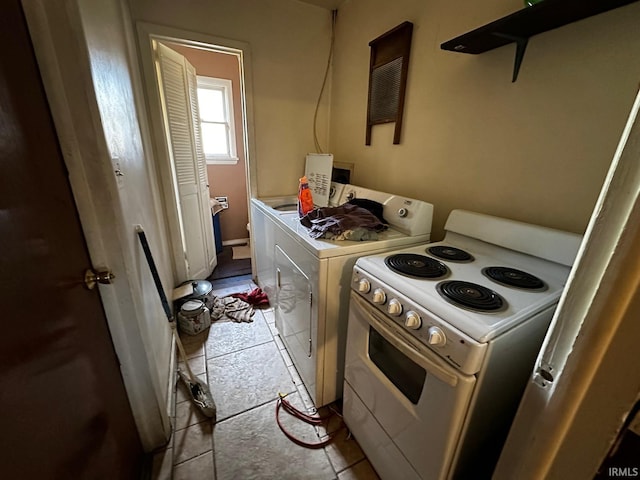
(305, 199)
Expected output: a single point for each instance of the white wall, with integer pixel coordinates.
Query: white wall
(289, 43)
(536, 150)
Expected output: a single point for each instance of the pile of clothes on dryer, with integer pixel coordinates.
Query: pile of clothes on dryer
(356, 220)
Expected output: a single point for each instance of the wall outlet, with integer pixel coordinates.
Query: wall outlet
(224, 202)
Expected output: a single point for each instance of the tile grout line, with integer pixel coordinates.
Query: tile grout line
(251, 408)
(207, 359)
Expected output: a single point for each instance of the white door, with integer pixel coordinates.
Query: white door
(195, 256)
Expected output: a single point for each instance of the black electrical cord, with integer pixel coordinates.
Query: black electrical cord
(305, 417)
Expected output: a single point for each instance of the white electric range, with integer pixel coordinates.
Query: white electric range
(442, 338)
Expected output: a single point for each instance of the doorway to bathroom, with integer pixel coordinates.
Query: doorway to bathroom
(220, 100)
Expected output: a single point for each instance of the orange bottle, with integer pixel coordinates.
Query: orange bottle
(305, 199)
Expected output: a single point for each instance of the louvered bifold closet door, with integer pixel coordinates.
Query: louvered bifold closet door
(201, 161)
(189, 173)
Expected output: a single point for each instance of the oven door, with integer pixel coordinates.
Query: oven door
(414, 400)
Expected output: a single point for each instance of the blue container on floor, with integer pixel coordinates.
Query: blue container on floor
(217, 234)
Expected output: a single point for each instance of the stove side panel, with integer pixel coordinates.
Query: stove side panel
(509, 364)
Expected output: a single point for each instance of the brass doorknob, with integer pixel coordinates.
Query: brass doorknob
(91, 278)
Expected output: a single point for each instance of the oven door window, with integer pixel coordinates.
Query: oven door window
(403, 372)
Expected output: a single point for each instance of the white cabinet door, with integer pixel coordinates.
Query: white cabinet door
(176, 78)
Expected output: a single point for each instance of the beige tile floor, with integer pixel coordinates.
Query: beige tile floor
(246, 366)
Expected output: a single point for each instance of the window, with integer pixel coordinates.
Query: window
(215, 103)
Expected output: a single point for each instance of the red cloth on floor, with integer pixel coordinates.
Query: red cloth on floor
(256, 297)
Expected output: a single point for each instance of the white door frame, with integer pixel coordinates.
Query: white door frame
(147, 33)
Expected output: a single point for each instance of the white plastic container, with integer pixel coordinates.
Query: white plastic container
(193, 317)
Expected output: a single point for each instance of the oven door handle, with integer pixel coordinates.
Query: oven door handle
(425, 358)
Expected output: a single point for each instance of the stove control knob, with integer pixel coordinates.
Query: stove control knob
(394, 308)
(412, 320)
(364, 286)
(379, 297)
(436, 336)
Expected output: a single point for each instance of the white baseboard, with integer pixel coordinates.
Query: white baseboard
(236, 241)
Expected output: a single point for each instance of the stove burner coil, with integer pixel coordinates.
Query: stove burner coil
(511, 277)
(471, 296)
(414, 265)
(450, 253)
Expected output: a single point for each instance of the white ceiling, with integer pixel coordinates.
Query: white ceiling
(328, 4)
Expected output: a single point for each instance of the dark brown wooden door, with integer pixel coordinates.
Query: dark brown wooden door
(64, 413)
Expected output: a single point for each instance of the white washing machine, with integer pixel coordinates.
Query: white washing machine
(308, 280)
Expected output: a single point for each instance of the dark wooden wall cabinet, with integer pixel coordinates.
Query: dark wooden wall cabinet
(520, 26)
(388, 78)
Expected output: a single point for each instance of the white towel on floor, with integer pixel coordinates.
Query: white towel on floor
(234, 308)
(238, 310)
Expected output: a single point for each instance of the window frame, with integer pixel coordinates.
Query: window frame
(225, 86)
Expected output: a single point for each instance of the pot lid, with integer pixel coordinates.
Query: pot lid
(192, 306)
(201, 287)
